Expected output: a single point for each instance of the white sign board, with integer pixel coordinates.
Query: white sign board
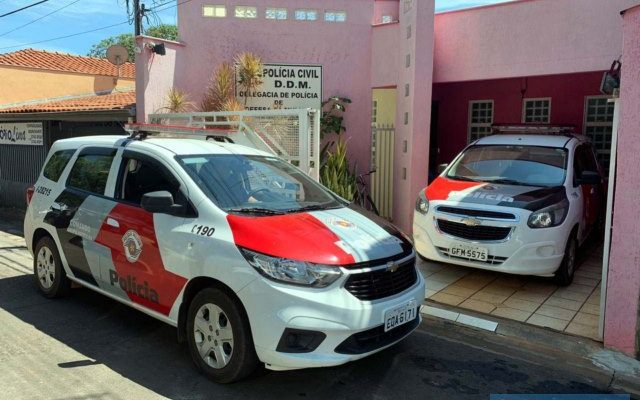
(24, 133)
(284, 87)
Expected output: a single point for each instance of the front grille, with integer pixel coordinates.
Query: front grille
(491, 260)
(375, 338)
(476, 213)
(381, 283)
(479, 233)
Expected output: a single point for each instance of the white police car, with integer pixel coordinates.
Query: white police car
(520, 204)
(247, 256)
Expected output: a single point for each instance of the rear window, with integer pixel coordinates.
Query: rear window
(91, 171)
(56, 164)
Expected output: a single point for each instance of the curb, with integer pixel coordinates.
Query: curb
(609, 368)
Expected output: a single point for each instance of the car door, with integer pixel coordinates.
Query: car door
(78, 211)
(139, 241)
(589, 194)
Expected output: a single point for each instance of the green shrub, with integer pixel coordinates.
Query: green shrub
(336, 174)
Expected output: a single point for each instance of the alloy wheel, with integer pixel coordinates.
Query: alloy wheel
(213, 336)
(46, 267)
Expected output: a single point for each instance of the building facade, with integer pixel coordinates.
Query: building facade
(436, 81)
(49, 96)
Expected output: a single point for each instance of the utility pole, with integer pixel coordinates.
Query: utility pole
(138, 13)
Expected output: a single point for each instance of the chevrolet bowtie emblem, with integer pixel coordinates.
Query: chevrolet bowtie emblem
(392, 266)
(471, 222)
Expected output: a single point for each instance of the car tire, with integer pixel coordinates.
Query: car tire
(564, 274)
(49, 274)
(219, 337)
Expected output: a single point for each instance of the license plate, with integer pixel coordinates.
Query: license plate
(400, 315)
(470, 252)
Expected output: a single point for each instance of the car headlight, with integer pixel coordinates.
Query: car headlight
(292, 271)
(422, 203)
(549, 216)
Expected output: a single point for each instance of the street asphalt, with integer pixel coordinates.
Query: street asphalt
(87, 346)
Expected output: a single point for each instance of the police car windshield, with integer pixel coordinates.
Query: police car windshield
(256, 184)
(512, 165)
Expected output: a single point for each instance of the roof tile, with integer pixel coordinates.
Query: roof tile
(112, 101)
(41, 59)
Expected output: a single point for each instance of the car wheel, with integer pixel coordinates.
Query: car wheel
(47, 268)
(219, 337)
(564, 274)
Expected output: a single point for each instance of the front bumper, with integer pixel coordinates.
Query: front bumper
(525, 251)
(345, 320)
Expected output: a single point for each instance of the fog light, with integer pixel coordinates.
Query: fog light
(299, 341)
(545, 251)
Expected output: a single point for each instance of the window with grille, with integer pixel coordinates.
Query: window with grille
(306, 15)
(480, 119)
(335, 16)
(246, 12)
(598, 125)
(276, 13)
(536, 110)
(214, 11)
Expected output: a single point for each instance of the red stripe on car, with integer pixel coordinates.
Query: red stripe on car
(297, 236)
(145, 280)
(441, 187)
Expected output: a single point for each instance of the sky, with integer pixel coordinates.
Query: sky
(69, 17)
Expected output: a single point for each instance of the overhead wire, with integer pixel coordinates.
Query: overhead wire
(156, 8)
(38, 19)
(65, 36)
(23, 8)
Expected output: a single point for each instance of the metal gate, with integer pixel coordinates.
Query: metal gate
(291, 134)
(20, 165)
(382, 150)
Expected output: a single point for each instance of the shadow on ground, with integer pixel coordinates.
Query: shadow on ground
(145, 351)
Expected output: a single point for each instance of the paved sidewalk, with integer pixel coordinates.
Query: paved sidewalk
(538, 301)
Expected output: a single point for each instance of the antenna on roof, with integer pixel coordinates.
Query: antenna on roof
(117, 55)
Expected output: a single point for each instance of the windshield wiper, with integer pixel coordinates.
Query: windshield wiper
(256, 210)
(311, 207)
(461, 178)
(506, 181)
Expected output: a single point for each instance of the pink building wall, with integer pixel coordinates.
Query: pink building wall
(413, 109)
(385, 55)
(528, 37)
(567, 93)
(343, 49)
(623, 286)
(386, 7)
(155, 75)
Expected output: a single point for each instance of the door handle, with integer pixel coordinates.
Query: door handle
(113, 223)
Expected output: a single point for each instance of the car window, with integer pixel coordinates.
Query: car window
(141, 176)
(91, 171)
(256, 182)
(56, 164)
(587, 159)
(584, 160)
(515, 165)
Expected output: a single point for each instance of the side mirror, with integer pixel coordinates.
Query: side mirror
(441, 168)
(160, 202)
(589, 178)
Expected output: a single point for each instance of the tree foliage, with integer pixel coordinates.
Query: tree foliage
(163, 31)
